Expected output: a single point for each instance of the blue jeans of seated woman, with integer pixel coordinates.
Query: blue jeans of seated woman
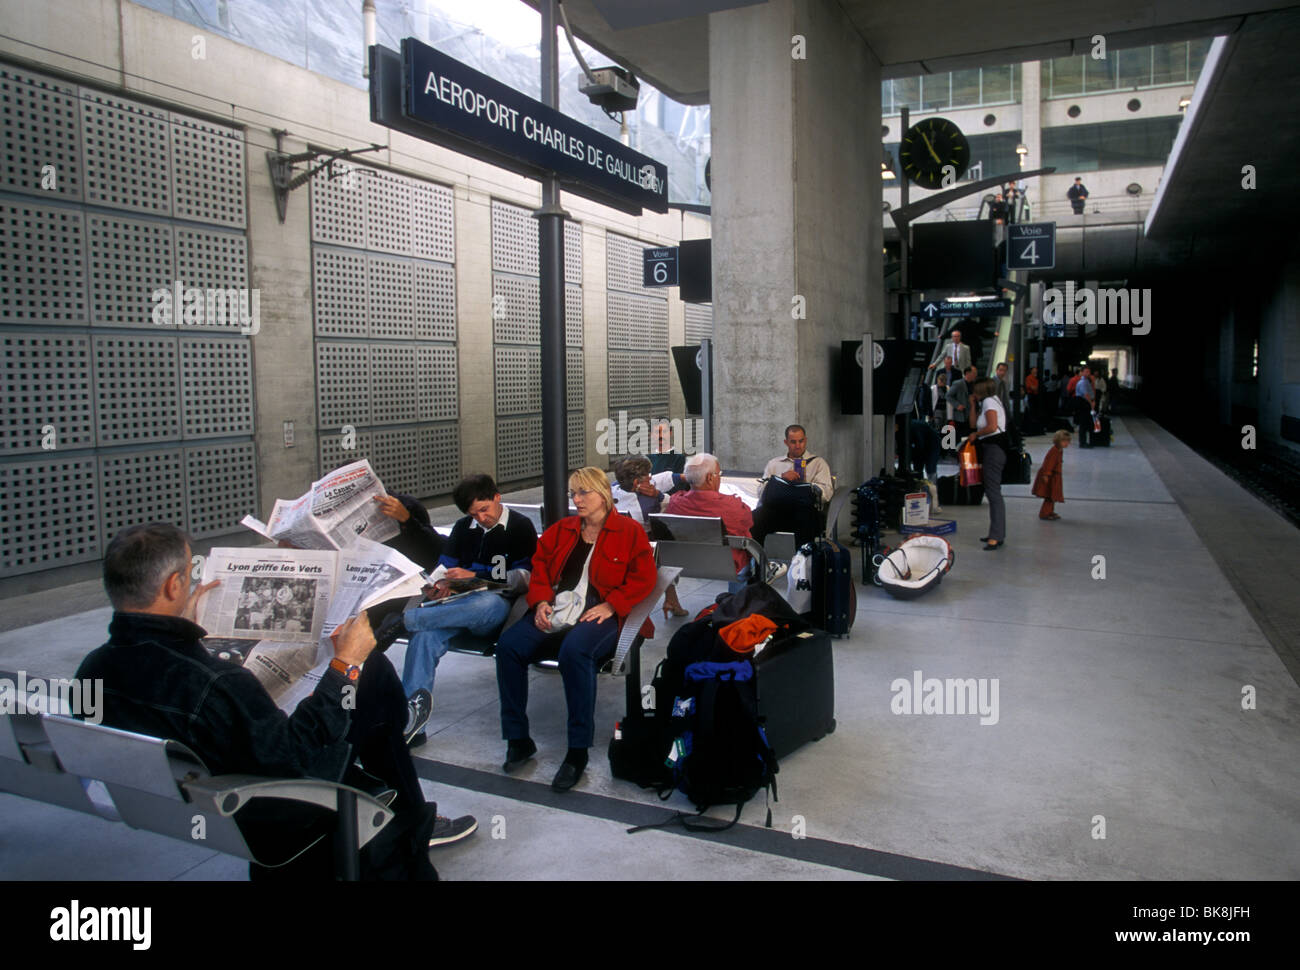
(432, 628)
(583, 648)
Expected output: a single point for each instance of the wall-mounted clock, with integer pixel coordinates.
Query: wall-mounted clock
(928, 147)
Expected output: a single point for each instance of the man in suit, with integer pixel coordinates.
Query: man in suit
(960, 398)
(959, 352)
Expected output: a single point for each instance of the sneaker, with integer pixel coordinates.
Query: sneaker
(776, 571)
(418, 708)
(449, 830)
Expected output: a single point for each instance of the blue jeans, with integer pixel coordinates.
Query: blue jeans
(432, 628)
(583, 648)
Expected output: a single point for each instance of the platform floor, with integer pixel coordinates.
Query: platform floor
(1120, 709)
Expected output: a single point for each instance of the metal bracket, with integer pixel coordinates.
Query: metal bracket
(283, 181)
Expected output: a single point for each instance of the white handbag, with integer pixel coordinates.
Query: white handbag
(572, 603)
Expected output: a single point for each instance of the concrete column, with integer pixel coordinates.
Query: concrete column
(796, 224)
(1031, 121)
(474, 347)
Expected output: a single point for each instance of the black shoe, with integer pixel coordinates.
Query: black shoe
(448, 830)
(391, 629)
(566, 777)
(419, 739)
(518, 752)
(991, 548)
(418, 708)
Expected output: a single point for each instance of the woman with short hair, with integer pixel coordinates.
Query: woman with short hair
(640, 494)
(991, 439)
(589, 571)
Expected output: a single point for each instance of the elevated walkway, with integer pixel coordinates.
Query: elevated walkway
(1118, 699)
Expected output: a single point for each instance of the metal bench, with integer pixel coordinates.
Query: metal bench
(701, 547)
(161, 786)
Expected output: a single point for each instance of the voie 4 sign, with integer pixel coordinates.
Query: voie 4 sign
(443, 94)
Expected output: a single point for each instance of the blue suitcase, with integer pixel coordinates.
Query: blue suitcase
(834, 597)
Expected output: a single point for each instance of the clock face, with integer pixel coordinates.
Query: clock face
(928, 147)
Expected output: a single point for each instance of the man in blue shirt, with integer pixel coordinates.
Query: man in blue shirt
(1083, 407)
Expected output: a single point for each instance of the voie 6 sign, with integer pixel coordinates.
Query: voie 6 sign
(442, 95)
(659, 266)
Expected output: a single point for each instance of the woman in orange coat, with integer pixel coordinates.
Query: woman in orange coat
(1047, 485)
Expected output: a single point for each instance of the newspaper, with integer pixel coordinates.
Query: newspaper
(276, 608)
(334, 512)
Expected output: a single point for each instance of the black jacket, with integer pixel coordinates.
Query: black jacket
(418, 541)
(161, 681)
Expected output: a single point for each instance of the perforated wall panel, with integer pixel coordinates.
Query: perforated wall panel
(514, 239)
(40, 128)
(209, 260)
(637, 379)
(125, 153)
(137, 394)
(334, 455)
(129, 260)
(393, 394)
(338, 213)
(390, 286)
(49, 514)
(217, 386)
(519, 448)
(343, 384)
(47, 381)
(435, 301)
(572, 253)
(439, 459)
(220, 487)
(395, 456)
(388, 202)
(145, 486)
(575, 385)
(436, 382)
(339, 288)
(516, 310)
(699, 322)
(637, 322)
(434, 233)
(624, 263)
(573, 323)
(577, 439)
(207, 171)
(43, 277)
(518, 380)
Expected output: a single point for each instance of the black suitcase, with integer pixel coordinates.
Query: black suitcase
(1019, 469)
(950, 493)
(796, 690)
(834, 598)
(1102, 438)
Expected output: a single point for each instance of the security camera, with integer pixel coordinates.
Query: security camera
(611, 88)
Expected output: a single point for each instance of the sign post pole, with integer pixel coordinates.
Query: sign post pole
(550, 238)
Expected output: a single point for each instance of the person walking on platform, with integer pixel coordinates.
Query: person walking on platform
(1084, 405)
(1047, 485)
(990, 436)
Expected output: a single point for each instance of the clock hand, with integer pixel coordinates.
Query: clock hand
(930, 147)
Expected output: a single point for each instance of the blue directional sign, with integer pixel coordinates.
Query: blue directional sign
(940, 309)
(1031, 245)
(444, 97)
(659, 267)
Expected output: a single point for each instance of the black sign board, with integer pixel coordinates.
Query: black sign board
(453, 104)
(939, 309)
(1031, 245)
(898, 368)
(659, 267)
(696, 270)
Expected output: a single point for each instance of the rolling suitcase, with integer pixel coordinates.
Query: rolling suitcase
(796, 690)
(834, 598)
(1102, 438)
(1019, 467)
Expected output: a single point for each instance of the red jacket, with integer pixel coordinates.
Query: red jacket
(1048, 483)
(622, 568)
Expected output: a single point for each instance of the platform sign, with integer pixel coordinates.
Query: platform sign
(455, 104)
(659, 267)
(1031, 245)
(946, 309)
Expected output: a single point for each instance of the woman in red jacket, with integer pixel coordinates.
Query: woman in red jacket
(1047, 485)
(589, 571)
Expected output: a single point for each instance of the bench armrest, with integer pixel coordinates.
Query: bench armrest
(226, 794)
(755, 550)
(632, 625)
(841, 498)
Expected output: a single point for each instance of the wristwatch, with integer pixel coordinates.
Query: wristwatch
(350, 671)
